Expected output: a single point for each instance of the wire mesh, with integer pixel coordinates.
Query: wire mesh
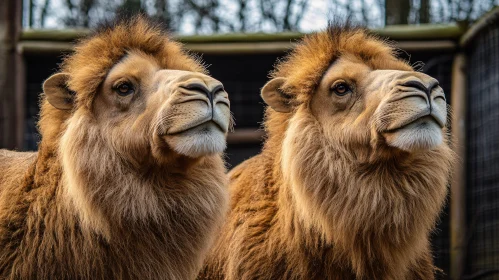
(483, 155)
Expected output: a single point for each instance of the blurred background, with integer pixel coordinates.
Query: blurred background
(223, 16)
(455, 41)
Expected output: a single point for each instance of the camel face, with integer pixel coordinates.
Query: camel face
(355, 103)
(195, 118)
(188, 112)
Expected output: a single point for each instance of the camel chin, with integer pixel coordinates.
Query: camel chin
(201, 140)
(422, 134)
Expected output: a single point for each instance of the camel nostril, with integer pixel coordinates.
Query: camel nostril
(416, 84)
(433, 85)
(420, 86)
(199, 88)
(216, 89)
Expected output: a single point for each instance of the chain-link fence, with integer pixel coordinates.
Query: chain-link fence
(482, 192)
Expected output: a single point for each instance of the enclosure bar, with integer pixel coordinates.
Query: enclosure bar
(245, 136)
(11, 96)
(20, 93)
(394, 32)
(19, 77)
(41, 47)
(458, 181)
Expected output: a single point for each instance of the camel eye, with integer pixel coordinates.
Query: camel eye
(341, 89)
(124, 89)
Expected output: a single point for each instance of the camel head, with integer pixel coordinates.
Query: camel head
(140, 93)
(359, 94)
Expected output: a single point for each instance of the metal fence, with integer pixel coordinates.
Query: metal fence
(482, 192)
(440, 67)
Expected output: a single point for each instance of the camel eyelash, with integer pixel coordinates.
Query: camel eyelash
(116, 85)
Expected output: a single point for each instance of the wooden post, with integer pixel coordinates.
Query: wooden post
(11, 82)
(458, 183)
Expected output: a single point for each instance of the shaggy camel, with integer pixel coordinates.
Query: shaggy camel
(128, 181)
(352, 175)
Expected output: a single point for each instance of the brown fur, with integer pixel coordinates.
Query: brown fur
(99, 201)
(330, 202)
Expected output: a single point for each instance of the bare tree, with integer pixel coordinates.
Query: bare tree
(243, 6)
(287, 21)
(397, 11)
(43, 13)
(79, 14)
(206, 12)
(424, 11)
(162, 11)
(209, 16)
(130, 6)
(31, 9)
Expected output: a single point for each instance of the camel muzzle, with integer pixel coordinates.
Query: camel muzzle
(413, 112)
(196, 100)
(415, 101)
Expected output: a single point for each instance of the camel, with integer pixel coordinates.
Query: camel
(128, 181)
(352, 175)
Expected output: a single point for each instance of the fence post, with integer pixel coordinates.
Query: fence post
(458, 182)
(11, 78)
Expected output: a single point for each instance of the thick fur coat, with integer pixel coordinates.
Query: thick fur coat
(308, 208)
(94, 203)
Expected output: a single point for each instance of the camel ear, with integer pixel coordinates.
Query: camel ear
(57, 91)
(275, 97)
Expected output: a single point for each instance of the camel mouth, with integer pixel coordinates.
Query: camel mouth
(193, 129)
(193, 112)
(413, 123)
(200, 126)
(191, 119)
(421, 118)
